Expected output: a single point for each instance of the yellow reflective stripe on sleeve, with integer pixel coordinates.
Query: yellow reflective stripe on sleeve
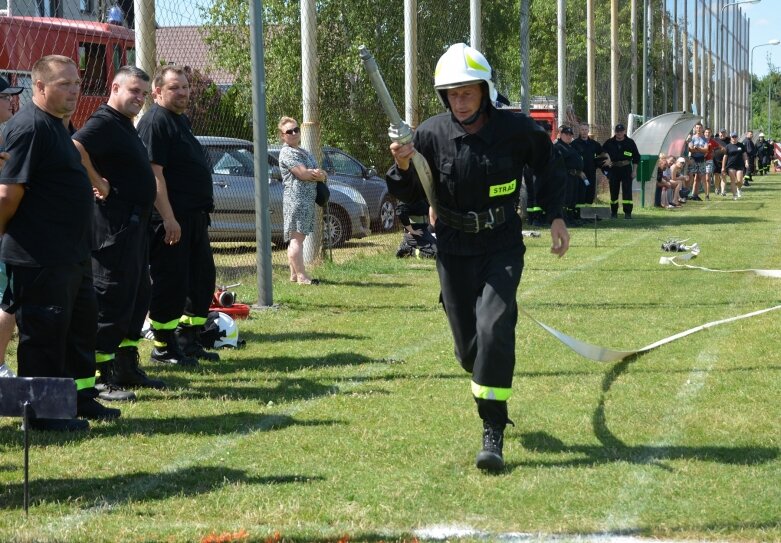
(502, 190)
(103, 357)
(533, 209)
(628, 153)
(170, 325)
(129, 343)
(491, 393)
(192, 321)
(87, 382)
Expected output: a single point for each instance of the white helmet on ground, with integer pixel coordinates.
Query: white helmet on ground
(228, 331)
(462, 65)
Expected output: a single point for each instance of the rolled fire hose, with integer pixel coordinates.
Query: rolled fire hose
(398, 131)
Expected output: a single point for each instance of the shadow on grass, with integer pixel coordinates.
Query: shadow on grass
(612, 449)
(102, 492)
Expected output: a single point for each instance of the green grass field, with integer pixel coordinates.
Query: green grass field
(346, 417)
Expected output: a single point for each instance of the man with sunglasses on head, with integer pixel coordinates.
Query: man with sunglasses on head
(181, 260)
(6, 319)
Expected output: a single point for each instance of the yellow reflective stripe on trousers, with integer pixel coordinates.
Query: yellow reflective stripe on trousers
(491, 393)
(533, 209)
(87, 382)
(170, 325)
(626, 201)
(129, 343)
(192, 321)
(100, 358)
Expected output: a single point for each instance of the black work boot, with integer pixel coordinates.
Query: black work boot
(189, 341)
(127, 371)
(167, 350)
(89, 408)
(494, 415)
(490, 457)
(107, 389)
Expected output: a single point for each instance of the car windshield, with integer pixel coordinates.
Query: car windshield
(238, 161)
(342, 164)
(230, 160)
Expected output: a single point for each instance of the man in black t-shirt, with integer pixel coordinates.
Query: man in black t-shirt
(181, 261)
(46, 217)
(119, 170)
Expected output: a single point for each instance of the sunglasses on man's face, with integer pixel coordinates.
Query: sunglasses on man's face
(292, 131)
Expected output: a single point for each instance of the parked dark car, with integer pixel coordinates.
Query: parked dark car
(233, 219)
(348, 170)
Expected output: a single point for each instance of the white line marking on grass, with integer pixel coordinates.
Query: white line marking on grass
(445, 533)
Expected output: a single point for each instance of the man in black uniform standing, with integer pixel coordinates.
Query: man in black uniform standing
(593, 157)
(576, 188)
(46, 217)
(418, 239)
(623, 160)
(119, 169)
(181, 260)
(477, 154)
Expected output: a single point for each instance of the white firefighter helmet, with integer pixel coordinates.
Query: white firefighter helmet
(462, 65)
(228, 331)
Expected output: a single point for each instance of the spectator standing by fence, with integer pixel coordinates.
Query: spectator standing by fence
(46, 205)
(623, 160)
(119, 170)
(6, 319)
(181, 260)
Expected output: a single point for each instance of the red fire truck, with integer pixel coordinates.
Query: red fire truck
(99, 49)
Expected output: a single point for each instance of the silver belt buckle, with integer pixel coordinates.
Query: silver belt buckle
(473, 214)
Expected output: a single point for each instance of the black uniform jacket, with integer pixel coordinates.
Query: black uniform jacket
(475, 172)
(619, 151)
(590, 150)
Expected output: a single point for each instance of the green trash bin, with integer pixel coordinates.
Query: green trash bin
(645, 173)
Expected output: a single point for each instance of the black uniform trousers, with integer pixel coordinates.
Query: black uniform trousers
(591, 190)
(621, 180)
(56, 313)
(120, 270)
(183, 274)
(478, 294)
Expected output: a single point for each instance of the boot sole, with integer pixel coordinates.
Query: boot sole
(488, 461)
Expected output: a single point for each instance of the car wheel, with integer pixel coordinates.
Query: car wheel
(387, 214)
(336, 226)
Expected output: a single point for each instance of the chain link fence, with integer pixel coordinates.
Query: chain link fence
(212, 39)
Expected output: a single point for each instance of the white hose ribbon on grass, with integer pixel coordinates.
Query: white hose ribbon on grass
(689, 256)
(603, 354)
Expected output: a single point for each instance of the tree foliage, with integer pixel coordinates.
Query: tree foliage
(350, 115)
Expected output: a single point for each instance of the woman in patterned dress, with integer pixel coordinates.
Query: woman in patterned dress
(299, 174)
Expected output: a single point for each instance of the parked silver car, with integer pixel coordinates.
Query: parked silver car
(350, 171)
(233, 218)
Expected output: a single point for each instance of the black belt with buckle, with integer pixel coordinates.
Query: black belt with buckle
(472, 221)
(622, 163)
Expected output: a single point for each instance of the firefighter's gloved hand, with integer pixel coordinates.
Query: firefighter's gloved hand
(586, 182)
